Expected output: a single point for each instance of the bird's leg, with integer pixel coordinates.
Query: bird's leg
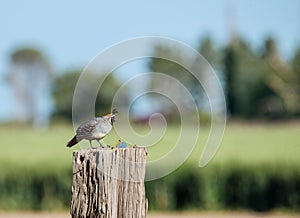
(100, 143)
(91, 146)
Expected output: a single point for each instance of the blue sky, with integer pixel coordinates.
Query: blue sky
(71, 33)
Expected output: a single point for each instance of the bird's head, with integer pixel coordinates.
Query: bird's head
(111, 117)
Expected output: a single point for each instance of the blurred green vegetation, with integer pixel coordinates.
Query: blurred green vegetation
(30, 77)
(258, 83)
(257, 167)
(64, 87)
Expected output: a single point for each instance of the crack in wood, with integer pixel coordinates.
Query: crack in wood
(109, 183)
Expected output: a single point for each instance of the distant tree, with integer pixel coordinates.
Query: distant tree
(212, 55)
(64, 87)
(30, 78)
(296, 71)
(270, 50)
(169, 68)
(230, 71)
(245, 80)
(296, 63)
(208, 50)
(282, 80)
(166, 66)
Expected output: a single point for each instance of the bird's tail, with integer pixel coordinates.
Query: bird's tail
(72, 142)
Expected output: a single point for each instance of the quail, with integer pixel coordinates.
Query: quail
(94, 129)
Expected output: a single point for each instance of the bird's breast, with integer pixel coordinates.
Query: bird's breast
(99, 135)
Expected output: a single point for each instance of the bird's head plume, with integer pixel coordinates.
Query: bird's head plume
(111, 117)
(114, 111)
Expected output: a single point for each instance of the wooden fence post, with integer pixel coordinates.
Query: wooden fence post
(109, 183)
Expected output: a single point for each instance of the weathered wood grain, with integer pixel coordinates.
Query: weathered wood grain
(109, 183)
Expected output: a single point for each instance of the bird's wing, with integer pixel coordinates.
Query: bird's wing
(86, 128)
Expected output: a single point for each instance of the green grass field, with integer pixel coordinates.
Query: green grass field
(246, 144)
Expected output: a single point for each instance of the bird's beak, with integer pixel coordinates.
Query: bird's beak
(110, 115)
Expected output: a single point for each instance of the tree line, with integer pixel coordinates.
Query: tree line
(258, 83)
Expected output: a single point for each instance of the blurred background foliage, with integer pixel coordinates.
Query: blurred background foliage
(64, 87)
(30, 78)
(258, 83)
